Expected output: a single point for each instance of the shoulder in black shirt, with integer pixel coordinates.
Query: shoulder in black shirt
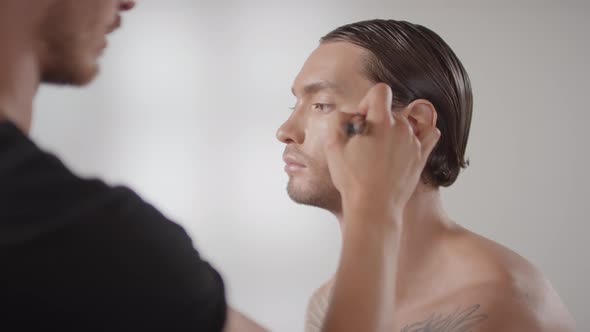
(78, 255)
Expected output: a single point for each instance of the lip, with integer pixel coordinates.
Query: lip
(115, 25)
(292, 165)
(128, 5)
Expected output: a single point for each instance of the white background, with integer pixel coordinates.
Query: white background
(192, 92)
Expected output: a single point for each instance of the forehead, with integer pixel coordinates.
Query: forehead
(340, 63)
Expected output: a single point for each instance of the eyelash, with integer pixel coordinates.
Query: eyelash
(321, 107)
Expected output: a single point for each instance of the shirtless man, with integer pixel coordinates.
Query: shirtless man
(405, 265)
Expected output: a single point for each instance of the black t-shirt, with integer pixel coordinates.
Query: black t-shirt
(78, 255)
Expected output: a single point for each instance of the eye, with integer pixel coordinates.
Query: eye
(322, 107)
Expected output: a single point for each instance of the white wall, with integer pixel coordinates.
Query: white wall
(191, 93)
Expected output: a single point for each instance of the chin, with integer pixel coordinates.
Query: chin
(321, 196)
(72, 66)
(84, 71)
(72, 74)
(86, 76)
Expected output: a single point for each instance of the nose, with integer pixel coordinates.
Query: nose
(125, 5)
(291, 131)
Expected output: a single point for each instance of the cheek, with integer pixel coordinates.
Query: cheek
(315, 137)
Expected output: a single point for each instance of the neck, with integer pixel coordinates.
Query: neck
(19, 77)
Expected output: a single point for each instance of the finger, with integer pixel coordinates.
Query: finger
(428, 140)
(401, 122)
(335, 128)
(377, 105)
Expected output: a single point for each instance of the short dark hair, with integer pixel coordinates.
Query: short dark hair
(417, 64)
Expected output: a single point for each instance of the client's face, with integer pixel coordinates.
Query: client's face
(331, 80)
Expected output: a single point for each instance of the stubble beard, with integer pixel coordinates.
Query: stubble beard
(66, 55)
(68, 64)
(318, 192)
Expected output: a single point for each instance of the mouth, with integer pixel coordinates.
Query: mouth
(292, 165)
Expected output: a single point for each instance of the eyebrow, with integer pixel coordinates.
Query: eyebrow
(315, 87)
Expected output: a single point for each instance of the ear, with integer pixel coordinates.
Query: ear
(421, 114)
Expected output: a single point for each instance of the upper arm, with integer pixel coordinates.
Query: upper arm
(530, 306)
(154, 266)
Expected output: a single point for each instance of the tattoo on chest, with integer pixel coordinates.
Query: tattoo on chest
(459, 321)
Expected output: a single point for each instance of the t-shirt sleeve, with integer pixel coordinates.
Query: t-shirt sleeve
(152, 266)
(77, 254)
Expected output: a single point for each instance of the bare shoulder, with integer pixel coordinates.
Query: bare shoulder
(505, 291)
(510, 305)
(317, 307)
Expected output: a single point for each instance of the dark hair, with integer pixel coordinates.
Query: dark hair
(417, 64)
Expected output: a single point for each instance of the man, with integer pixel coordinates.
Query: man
(75, 254)
(438, 276)
(78, 255)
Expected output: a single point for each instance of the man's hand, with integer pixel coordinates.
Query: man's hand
(380, 168)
